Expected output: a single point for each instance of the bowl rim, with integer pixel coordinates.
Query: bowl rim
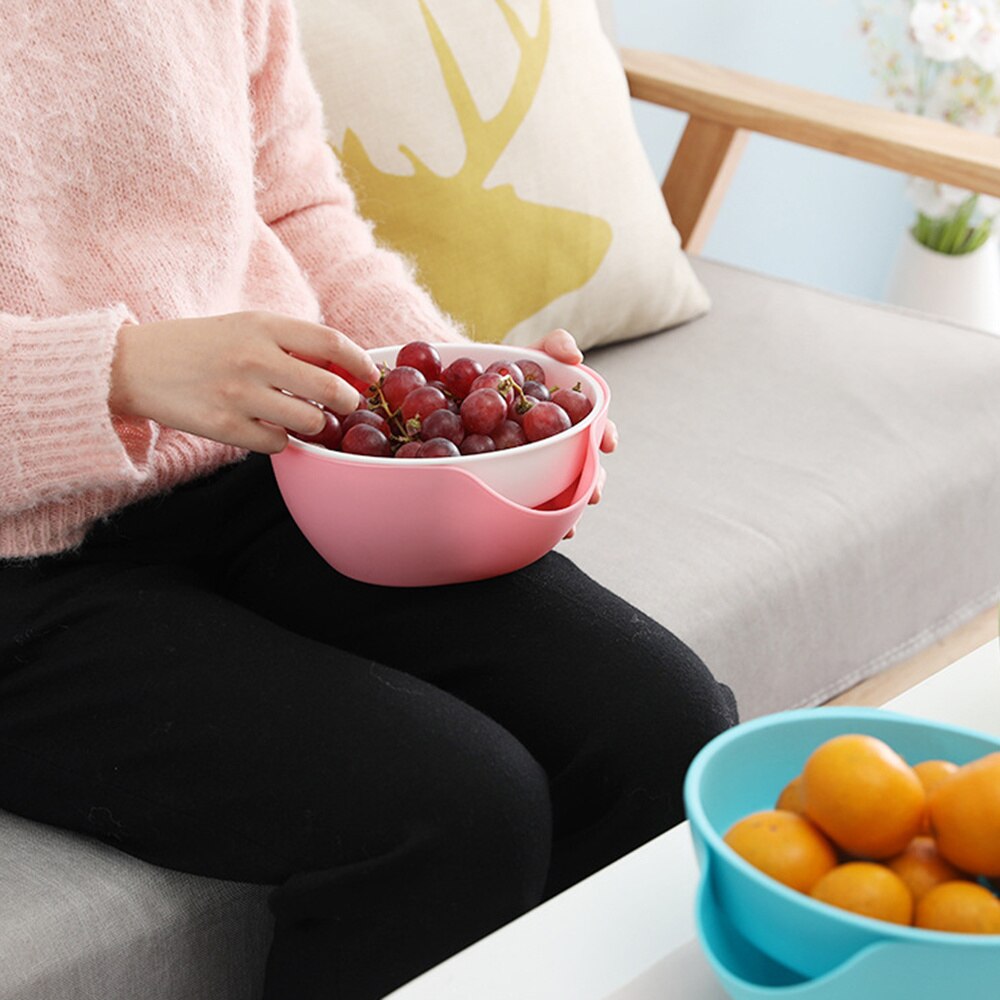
(698, 819)
(600, 388)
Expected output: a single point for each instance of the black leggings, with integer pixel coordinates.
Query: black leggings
(410, 768)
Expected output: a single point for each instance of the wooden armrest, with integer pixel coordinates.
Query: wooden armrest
(724, 106)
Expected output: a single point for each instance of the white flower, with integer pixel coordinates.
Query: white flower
(962, 94)
(945, 28)
(984, 46)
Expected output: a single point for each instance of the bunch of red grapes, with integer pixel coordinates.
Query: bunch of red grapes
(424, 409)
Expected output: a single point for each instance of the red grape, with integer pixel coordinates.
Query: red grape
(366, 417)
(545, 419)
(482, 410)
(537, 390)
(438, 448)
(459, 375)
(452, 401)
(443, 424)
(508, 435)
(477, 444)
(408, 450)
(509, 368)
(574, 402)
(329, 437)
(494, 380)
(399, 383)
(419, 403)
(422, 356)
(532, 371)
(519, 407)
(363, 439)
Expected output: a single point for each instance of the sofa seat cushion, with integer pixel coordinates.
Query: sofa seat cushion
(81, 919)
(807, 488)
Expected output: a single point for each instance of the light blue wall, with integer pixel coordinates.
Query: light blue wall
(797, 213)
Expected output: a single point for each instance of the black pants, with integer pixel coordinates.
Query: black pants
(410, 768)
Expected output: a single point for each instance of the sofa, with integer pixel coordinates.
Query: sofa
(807, 491)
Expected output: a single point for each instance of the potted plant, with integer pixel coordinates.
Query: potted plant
(941, 59)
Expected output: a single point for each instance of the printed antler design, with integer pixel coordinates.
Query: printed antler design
(486, 140)
(489, 257)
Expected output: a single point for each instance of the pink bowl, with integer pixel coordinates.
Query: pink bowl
(424, 522)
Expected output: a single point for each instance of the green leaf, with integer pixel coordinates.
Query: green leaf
(957, 227)
(977, 237)
(924, 230)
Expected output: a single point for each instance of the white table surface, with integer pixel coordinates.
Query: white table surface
(628, 933)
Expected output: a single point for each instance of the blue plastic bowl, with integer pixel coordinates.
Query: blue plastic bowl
(888, 970)
(744, 770)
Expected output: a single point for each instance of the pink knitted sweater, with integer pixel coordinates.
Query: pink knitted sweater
(161, 163)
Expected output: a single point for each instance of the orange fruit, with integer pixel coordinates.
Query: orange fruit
(964, 907)
(863, 795)
(932, 772)
(790, 798)
(921, 867)
(965, 816)
(784, 845)
(867, 888)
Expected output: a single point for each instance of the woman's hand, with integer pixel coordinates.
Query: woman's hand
(560, 345)
(222, 377)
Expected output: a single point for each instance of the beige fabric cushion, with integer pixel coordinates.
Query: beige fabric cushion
(82, 919)
(807, 487)
(492, 141)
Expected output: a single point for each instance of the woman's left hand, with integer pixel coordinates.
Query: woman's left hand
(559, 344)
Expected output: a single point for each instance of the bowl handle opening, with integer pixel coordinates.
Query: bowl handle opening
(741, 967)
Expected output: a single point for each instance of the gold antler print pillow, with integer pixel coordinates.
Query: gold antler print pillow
(492, 143)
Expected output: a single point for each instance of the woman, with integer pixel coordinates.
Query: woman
(180, 674)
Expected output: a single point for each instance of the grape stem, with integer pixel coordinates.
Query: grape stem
(398, 432)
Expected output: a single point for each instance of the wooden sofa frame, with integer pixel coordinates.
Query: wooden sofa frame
(724, 107)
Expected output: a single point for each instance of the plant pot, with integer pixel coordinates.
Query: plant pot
(964, 287)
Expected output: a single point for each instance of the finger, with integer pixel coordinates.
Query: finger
(323, 343)
(288, 412)
(559, 344)
(262, 437)
(569, 534)
(609, 441)
(307, 381)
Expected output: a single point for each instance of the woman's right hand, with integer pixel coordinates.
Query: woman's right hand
(222, 377)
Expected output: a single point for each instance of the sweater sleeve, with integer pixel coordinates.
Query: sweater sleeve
(366, 291)
(57, 435)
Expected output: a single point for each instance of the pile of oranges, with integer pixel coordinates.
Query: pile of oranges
(862, 830)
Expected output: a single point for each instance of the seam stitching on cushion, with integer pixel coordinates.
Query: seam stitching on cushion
(919, 641)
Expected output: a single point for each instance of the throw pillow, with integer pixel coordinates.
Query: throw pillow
(492, 142)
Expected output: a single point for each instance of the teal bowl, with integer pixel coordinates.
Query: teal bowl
(888, 970)
(743, 771)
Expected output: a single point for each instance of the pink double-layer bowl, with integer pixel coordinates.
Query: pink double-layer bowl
(426, 522)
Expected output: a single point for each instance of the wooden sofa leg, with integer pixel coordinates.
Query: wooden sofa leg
(698, 177)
